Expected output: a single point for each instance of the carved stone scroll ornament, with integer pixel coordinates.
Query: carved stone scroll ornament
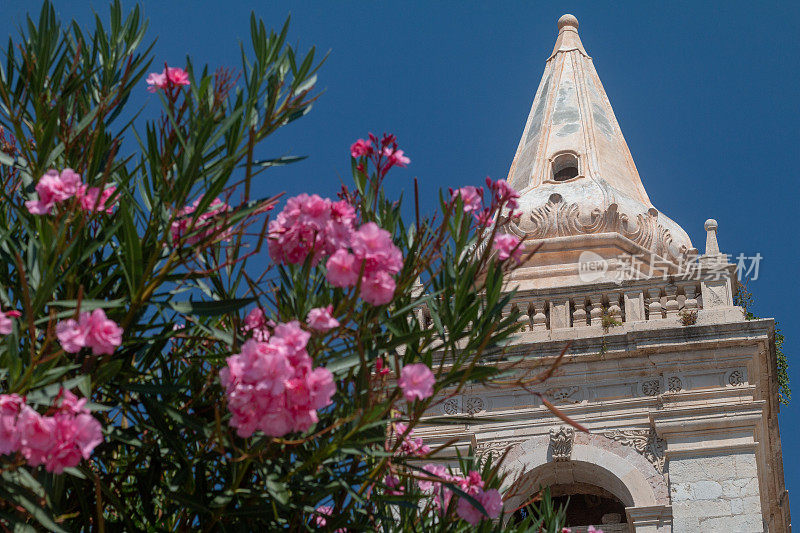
(557, 219)
(561, 440)
(495, 447)
(736, 378)
(564, 394)
(644, 441)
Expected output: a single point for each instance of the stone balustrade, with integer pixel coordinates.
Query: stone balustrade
(605, 306)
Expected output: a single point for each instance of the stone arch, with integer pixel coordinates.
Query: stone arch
(595, 460)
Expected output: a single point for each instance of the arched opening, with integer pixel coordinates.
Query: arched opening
(565, 167)
(586, 505)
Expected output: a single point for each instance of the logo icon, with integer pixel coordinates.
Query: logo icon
(592, 267)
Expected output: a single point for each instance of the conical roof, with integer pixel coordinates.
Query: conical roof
(573, 167)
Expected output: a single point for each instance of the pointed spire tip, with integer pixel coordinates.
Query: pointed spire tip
(567, 20)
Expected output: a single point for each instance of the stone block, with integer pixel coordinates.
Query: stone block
(686, 524)
(706, 490)
(733, 524)
(681, 491)
(701, 509)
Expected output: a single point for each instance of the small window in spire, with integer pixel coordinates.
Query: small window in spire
(565, 167)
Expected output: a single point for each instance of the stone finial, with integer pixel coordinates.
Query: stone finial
(567, 20)
(712, 247)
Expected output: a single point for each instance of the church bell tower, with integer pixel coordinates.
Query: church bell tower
(677, 389)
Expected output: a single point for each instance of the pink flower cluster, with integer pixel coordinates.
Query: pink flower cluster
(201, 228)
(169, 77)
(416, 381)
(256, 322)
(58, 441)
(6, 325)
(92, 330)
(502, 195)
(310, 225)
(272, 387)
(409, 444)
(471, 484)
(372, 249)
(590, 529)
(55, 187)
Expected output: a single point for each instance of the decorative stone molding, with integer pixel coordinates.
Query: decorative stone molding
(651, 387)
(564, 394)
(561, 440)
(557, 218)
(450, 406)
(674, 384)
(644, 441)
(495, 447)
(474, 405)
(736, 378)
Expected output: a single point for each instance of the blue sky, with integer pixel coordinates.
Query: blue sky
(706, 95)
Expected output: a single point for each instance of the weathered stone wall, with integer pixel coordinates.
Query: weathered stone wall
(715, 493)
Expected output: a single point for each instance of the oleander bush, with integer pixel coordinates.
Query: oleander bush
(178, 354)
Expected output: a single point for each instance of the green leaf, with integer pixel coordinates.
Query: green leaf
(215, 308)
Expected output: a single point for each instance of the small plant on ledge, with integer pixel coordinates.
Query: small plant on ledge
(688, 317)
(609, 321)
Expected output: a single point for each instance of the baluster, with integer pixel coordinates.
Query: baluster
(672, 301)
(539, 318)
(654, 304)
(691, 300)
(579, 314)
(596, 313)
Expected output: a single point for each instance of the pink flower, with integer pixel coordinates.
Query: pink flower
(71, 335)
(592, 529)
(374, 245)
(379, 368)
(200, 228)
(322, 512)
(6, 324)
(377, 288)
(416, 381)
(343, 269)
(104, 335)
(37, 435)
(10, 405)
(170, 76)
(256, 322)
(320, 319)
(92, 330)
(471, 196)
(410, 445)
(395, 157)
(393, 486)
(310, 225)
(88, 198)
(53, 188)
(490, 500)
(503, 193)
(508, 246)
(156, 81)
(361, 148)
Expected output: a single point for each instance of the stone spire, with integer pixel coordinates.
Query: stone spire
(573, 167)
